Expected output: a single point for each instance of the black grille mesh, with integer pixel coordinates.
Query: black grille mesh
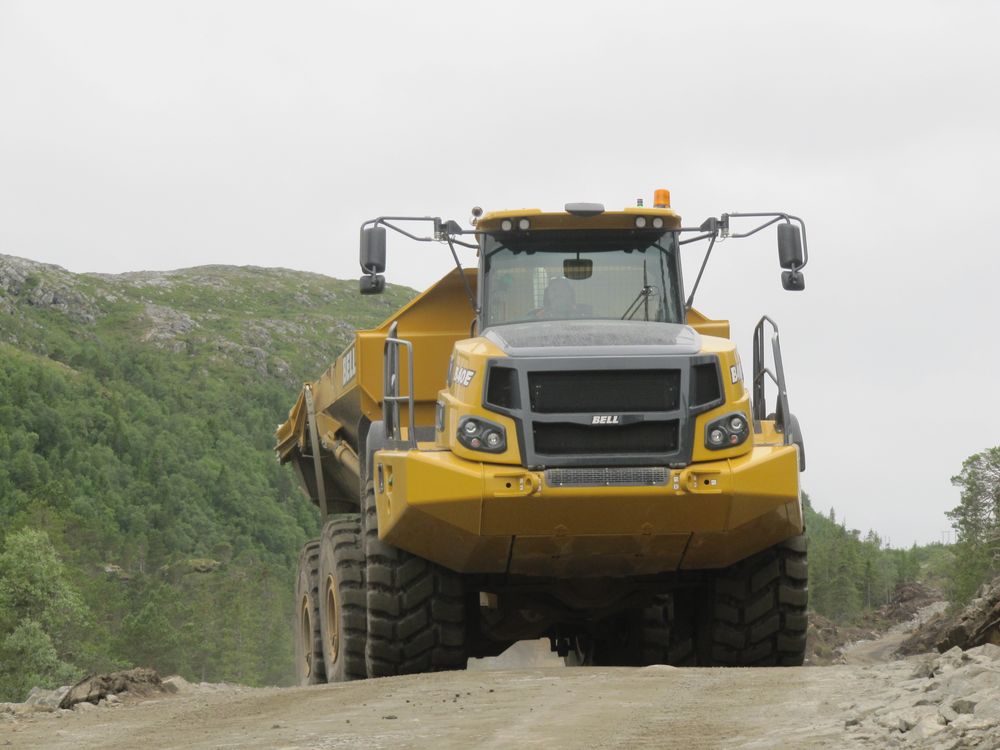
(561, 438)
(608, 476)
(604, 391)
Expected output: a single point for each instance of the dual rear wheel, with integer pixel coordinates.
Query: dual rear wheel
(368, 609)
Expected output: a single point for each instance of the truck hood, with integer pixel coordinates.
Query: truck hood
(574, 338)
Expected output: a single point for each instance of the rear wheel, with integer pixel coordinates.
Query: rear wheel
(308, 646)
(342, 599)
(756, 610)
(416, 609)
(646, 636)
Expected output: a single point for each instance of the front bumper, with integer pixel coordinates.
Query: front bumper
(486, 518)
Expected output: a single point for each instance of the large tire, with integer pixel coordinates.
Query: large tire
(756, 610)
(342, 617)
(665, 638)
(416, 609)
(308, 646)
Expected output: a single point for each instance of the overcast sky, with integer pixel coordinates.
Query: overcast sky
(140, 135)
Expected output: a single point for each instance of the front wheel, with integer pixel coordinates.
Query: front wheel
(755, 613)
(416, 609)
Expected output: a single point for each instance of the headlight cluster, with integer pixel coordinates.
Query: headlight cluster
(482, 435)
(726, 432)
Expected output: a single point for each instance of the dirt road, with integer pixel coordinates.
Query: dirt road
(546, 708)
(949, 701)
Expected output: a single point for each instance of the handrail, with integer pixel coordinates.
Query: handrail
(391, 397)
(777, 376)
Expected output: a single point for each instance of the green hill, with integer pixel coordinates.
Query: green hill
(136, 424)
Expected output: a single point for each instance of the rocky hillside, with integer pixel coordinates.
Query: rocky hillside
(143, 518)
(279, 323)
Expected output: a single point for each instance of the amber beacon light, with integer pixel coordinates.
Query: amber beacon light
(661, 198)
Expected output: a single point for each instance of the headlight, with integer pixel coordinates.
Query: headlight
(726, 432)
(482, 435)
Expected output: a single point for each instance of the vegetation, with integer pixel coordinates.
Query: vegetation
(851, 574)
(143, 517)
(976, 520)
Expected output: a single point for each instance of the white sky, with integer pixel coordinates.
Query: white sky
(163, 135)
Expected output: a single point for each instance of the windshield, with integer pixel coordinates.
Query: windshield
(569, 275)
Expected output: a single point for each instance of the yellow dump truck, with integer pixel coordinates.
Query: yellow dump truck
(553, 445)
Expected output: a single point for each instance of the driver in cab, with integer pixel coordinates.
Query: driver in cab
(559, 301)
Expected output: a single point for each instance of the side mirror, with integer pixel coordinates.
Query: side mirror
(373, 250)
(372, 284)
(790, 247)
(793, 281)
(578, 269)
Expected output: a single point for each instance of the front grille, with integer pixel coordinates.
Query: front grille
(608, 476)
(562, 438)
(591, 391)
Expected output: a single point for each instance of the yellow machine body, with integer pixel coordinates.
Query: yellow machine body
(489, 514)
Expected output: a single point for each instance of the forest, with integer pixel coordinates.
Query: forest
(145, 521)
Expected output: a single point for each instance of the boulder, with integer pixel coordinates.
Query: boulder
(51, 698)
(139, 681)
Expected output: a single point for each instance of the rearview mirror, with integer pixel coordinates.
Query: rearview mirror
(793, 281)
(373, 250)
(578, 269)
(372, 284)
(789, 247)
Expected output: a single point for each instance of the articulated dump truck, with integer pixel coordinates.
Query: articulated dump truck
(557, 446)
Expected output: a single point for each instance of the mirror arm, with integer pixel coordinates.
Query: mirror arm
(776, 217)
(704, 263)
(461, 272)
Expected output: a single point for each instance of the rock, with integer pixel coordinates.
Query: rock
(907, 719)
(976, 625)
(963, 706)
(988, 709)
(924, 669)
(947, 713)
(989, 651)
(51, 698)
(139, 681)
(926, 727)
(968, 722)
(166, 325)
(84, 707)
(176, 684)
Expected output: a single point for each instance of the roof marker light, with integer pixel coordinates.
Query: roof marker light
(506, 225)
(640, 221)
(523, 225)
(658, 223)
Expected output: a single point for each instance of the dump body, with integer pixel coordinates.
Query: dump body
(348, 396)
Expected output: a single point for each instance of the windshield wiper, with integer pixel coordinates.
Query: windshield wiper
(641, 299)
